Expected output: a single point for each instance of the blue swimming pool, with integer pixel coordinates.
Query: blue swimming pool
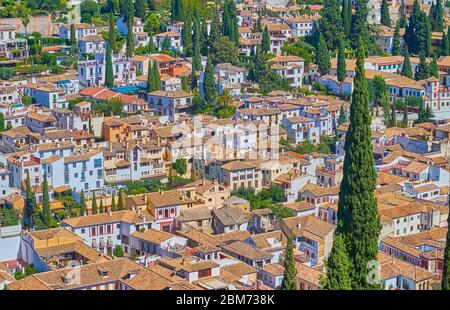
(127, 89)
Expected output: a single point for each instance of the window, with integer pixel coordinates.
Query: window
(92, 231)
(83, 230)
(98, 163)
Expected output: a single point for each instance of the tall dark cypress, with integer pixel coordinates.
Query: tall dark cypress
(396, 45)
(265, 41)
(341, 71)
(385, 16)
(209, 82)
(216, 30)
(322, 56)
(112, 33)
(406, 66)
(130, 41)
(346, 14)
(338, 267)
(109, 75)
(196, 61)
(331, 23)
(229, 20)
(204, 39)
(446, 270)
(445, 46)
(30, 202)
(186, 37)
(290, 270)
(360, 31)
(141, 9)
(46, 217)
(358, 218)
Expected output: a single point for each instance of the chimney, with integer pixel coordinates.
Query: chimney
(110, 212)
(299, 225)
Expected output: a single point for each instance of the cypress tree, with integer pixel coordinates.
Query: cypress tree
(193, 79)
(436, 16)
(141, 9)
(151, 45)
(156, 77)
(406, 66)
(46, 211)
(257, 27)
(130, 40)
(109, 74)
(338, 267)
(83, 208)
(30, 202)
(166, 45)
(265, 41)
(290, 270)
(403, 23)
(342, 116)
(120, 205)
(209, 82)
(177, 11)
(100, 208)
(445, 46)
(150, 81)
(204, 39)
(341, 66)
(385, 17)
(73, 37)
(196, 62)
(94, 204)
(331, 23)
(230, 24)
(446, 270)
(405, 114)
(393, 116)
(186, 37)
(346, 17)
(358, 216)
(386, 105)
(260, 68)
(434, 69)
(396, 46)
(113, 203)
(2, 122)
(112, 33)
(423, 70)
(216, 30)
(322, 56)
(359, 23)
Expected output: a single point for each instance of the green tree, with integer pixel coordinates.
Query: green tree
(101, 209)
(196, 61)
(120, 202)
(342, 116)
(425, 113)
(204, 39)
(393, 122)
(113, 203)
(423, 70)
(338, 266)
(216, 30)
(265, 41)
(112, 34)
(386, 105)
(73, 37)
(130, 40)
(346, 17)
(224, 51)
(83, 208)
(118, 251)
(166, 45)
(322, 56)
(385, 16)
(406, 66)
(358, 218)
(290, 270)
(436, 16)
(331, 23)
(396, 45)
(209, 82)
(445, 46)
(446, 270)
(30, 202)
(403, 22)
(109, 74)
(360, 31)
(2, 122)
(434, 68)
(405, 114)
(141, 9)
(94, 209)
(341, 70)
(180, 166)
(186, 37)
(257, 27)
(229, 22)
(177, 11)
(46, 211)
(150, 77)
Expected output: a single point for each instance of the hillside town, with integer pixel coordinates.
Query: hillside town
(252, 145)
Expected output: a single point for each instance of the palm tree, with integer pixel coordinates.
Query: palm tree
(225, 100)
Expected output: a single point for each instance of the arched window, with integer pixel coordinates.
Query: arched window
(166, 213)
